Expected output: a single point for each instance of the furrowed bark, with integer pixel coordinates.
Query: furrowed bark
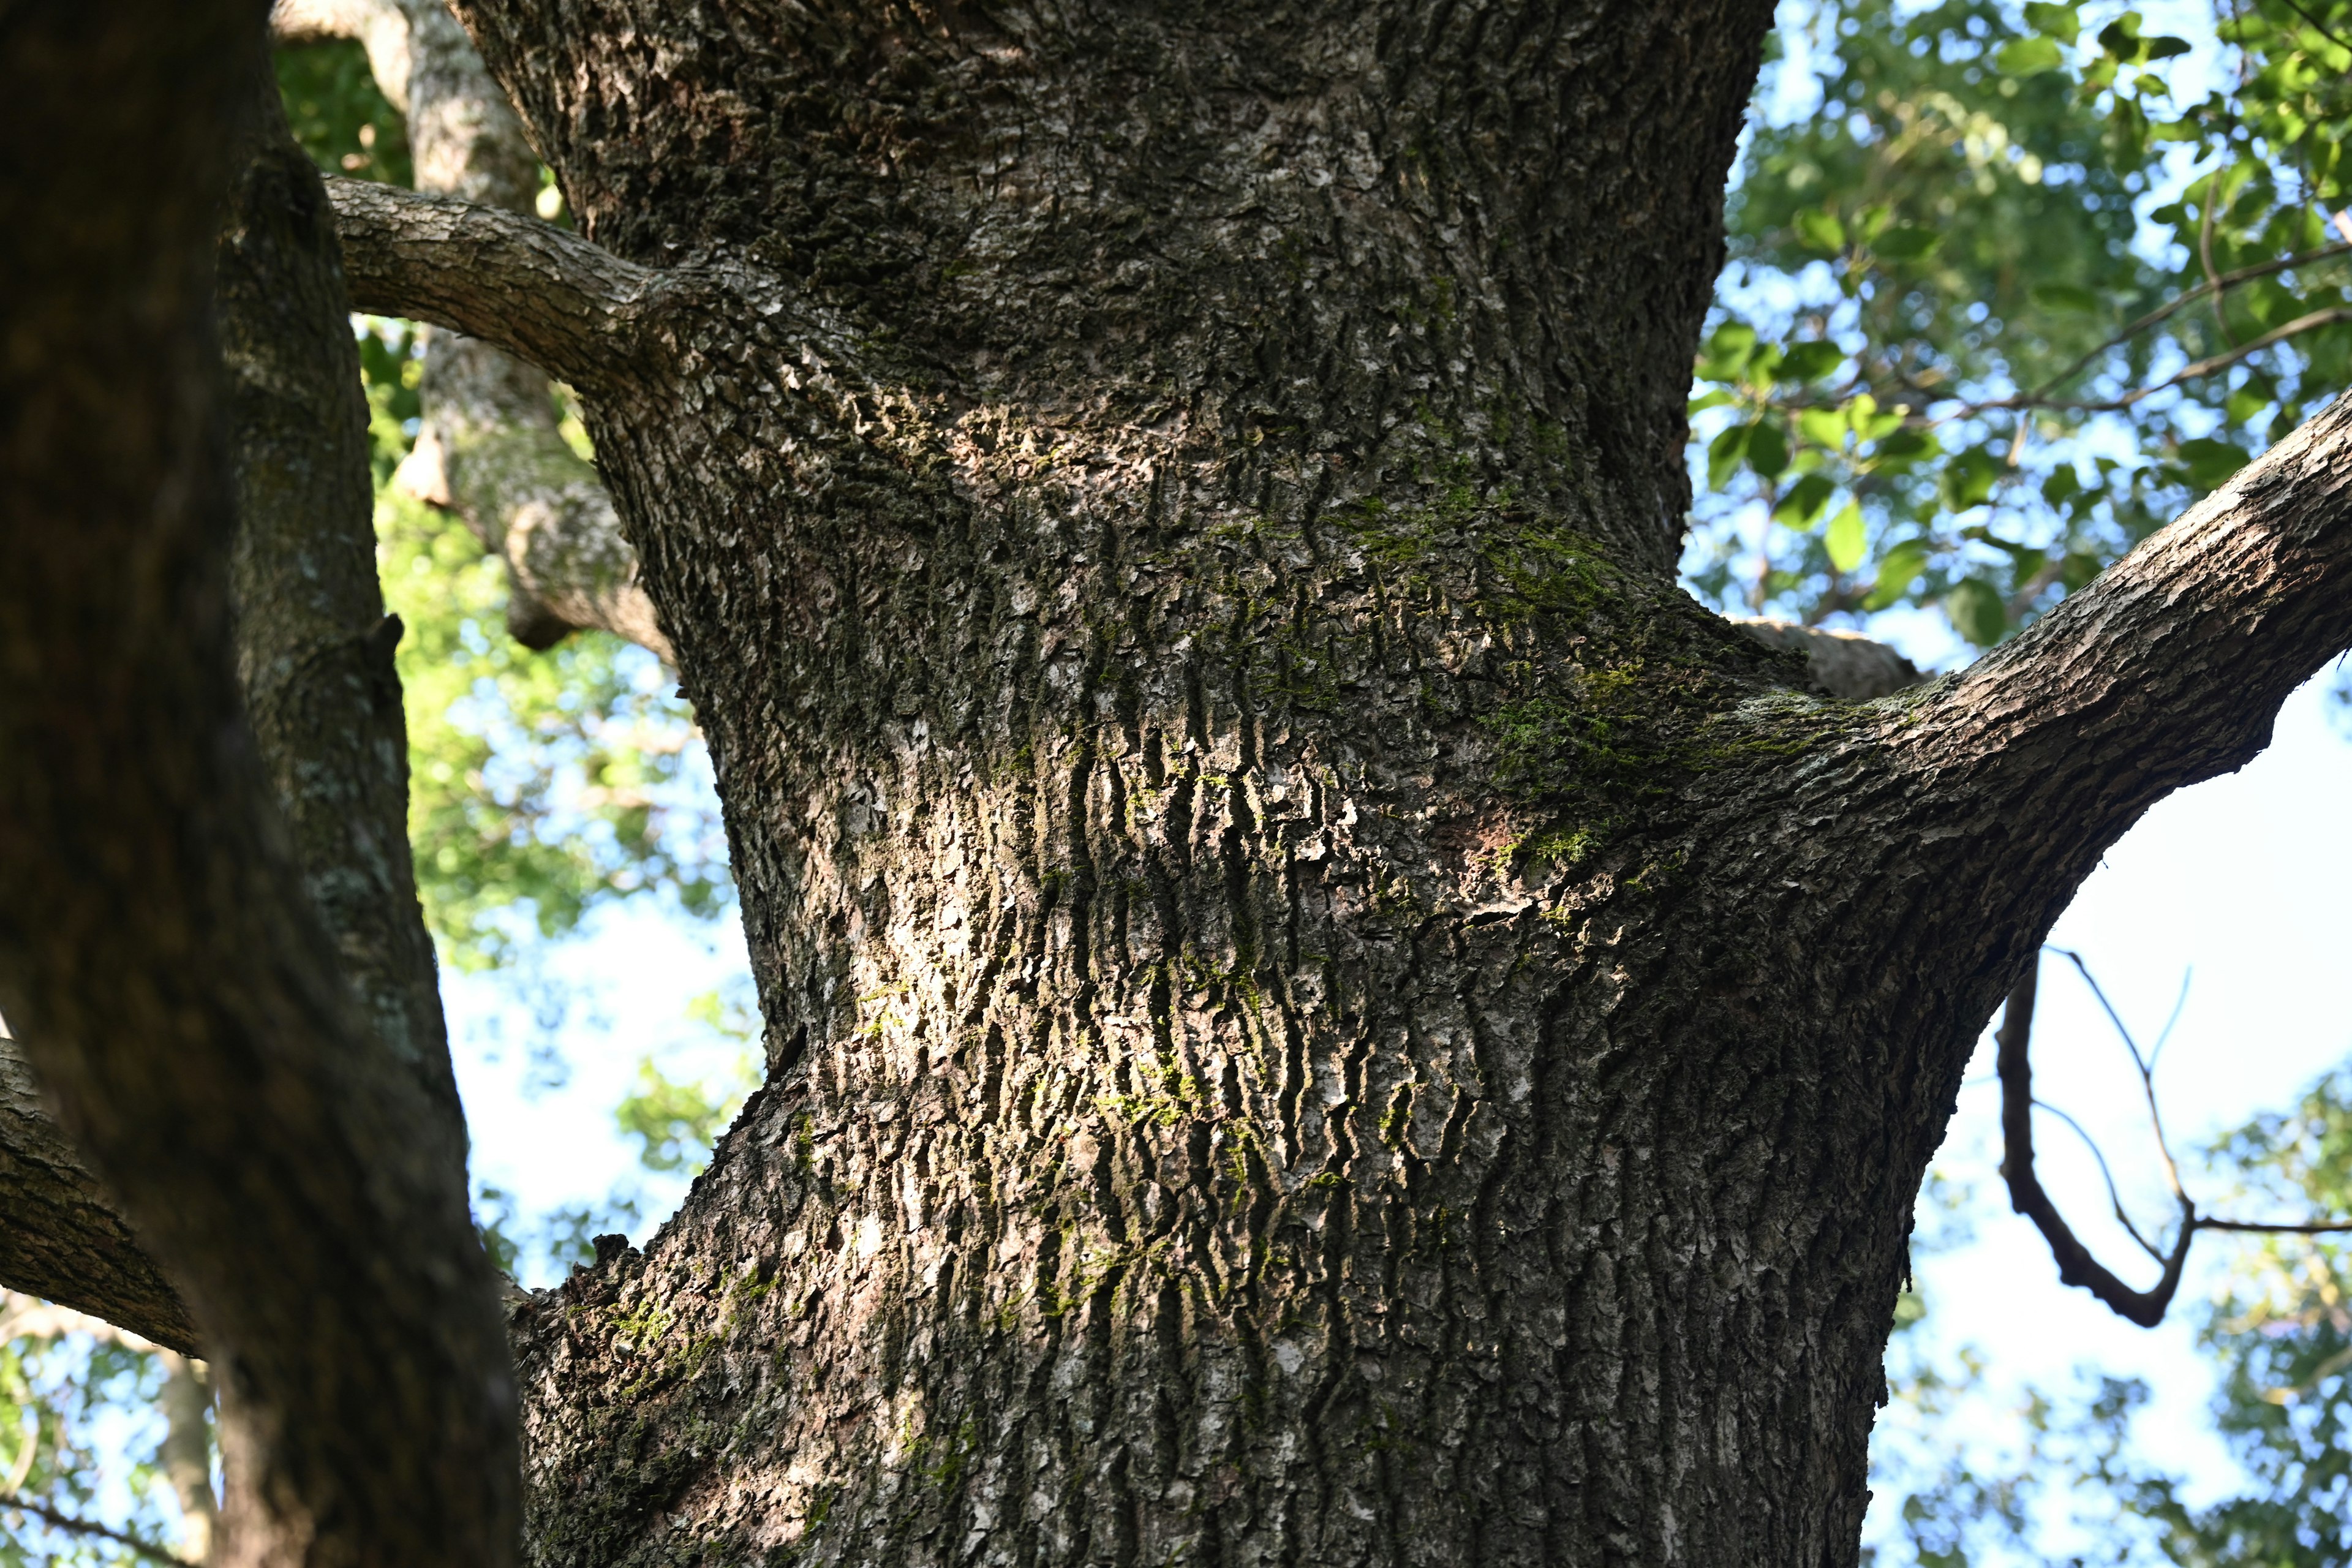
(175, 990)
(488, 446)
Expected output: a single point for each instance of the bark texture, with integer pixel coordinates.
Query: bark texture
(62, 1236)
(1318, 1009)
(488, 446)
(176, 988)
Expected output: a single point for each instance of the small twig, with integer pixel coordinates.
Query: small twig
(2278, 1227)
(2178, 1003)
(2170, 308)
(2114, 1198)
(2146, 1066)
(2316, 24)
(2203, 367)
(57, 1520)
(2026, 1196)
(2205, 255)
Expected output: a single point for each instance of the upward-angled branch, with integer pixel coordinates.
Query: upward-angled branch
(2026, 1196)
(2169, 668)
(538, 291)
(62, 1236)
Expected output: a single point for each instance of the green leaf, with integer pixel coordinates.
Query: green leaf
(1823, 427)
(1810, 362)
(2059, 22)
(2211, 463)
(1909, 243)
(2164, 49)
(1723, 455)
(1845, 538)
(1768, 451)
(2064, 297)
(1728, 350)
(2062, 482)
(1803, 505)
(1902, 446)
(1897, 569)
(2029, 56)
(1969, 479)
(1819, 230)
(1976, 611)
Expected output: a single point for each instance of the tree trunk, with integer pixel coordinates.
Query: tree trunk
(266, 1092)
(1317, 1008)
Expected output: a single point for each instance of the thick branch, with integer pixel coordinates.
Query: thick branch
(61, 1236)
(183, 1005)
(2168, 670)
(540, 293)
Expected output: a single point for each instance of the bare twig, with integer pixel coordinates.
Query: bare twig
(2075, 1264)
(57, 1520)
(2026, 1196)
(2145, 1064)
(2114, 1198)
(2205, 257)
(2310, 322)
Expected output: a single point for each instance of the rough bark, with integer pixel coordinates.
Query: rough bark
(1318, 1009)
(62, 1236)
(488, 446)
(176, 989)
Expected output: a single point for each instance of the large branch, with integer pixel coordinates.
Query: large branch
(62, 1236)
(2165, 670)
(536, 290)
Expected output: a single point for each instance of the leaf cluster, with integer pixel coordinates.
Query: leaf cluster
(2011, 296)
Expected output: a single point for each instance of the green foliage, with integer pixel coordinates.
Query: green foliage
(676, 1123)
(542, 784)
(77, 1436)
(339, 116)
(1969, 298)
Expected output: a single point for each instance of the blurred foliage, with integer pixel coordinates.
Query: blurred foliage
(1970, 347)
(79, 1435)
(339, 116)
(675, 1122)
(541, 783)
(2280, 1336)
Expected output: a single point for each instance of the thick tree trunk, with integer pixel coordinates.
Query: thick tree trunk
(1318, 1009)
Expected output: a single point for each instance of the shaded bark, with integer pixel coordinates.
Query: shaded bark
(488, 446)
(62, 1236)
(174, 988)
